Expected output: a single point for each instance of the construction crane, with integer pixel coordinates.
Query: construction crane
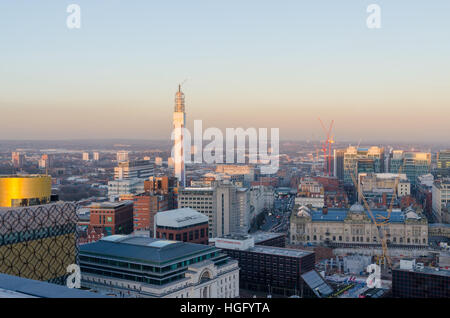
(326, 146)
(380, 226)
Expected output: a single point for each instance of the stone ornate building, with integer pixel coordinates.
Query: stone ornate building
(355, 226)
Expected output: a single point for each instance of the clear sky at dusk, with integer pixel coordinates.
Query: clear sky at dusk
(250, 63)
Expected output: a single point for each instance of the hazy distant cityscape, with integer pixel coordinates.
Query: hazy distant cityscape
(305, 155)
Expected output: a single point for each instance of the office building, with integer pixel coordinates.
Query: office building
(17, 159)
(85, 156)
(414, 164)
(112, 217)
(268, 269)
(310, 193)
(45, 162)
(141, 169)
(122, 156)
(414, 280)
(226, 206)
(354, 226)
(145, 207)
(362, 160)
(134, 266)
(179, 124)
(163, 185)
(247, 171)
(158, 161)
(185, 225)
(123, 187)
(380, 188)
(441, 200)
(96, 156)
(443, 163)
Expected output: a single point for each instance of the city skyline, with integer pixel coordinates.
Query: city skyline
(290, 64)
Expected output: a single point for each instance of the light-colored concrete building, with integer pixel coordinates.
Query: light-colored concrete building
(441, 200)
(142, 267)
(355, 226)
(226, 205)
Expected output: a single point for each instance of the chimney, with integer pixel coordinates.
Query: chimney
(325, 210)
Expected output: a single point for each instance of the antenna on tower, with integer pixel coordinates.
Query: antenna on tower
(182, 83)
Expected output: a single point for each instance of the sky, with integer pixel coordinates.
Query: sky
(248, 63)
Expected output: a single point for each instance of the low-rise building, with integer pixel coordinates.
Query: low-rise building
(267, 269)
(355, 226)
(112, 217)
(135, 266)
(185, 225)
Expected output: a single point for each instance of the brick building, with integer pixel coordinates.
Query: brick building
(113, 217)
(146, 205)
(185, 225)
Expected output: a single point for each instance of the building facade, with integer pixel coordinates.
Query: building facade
(145, 207)
(141, 169)
(134, 266)
(441, 200)
(39, 242)
(354, 226)
(185, 225)
(268, 269)
(112, 217)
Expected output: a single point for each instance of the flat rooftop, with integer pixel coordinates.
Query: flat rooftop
(178, 218)
(270, 250)
(264, 236)
(143, 249)
(19, 287)
(428, 270)
(109, 205)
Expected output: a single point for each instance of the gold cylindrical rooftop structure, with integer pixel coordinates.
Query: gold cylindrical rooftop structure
(16, 190)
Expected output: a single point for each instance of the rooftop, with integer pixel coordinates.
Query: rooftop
(180, 218)
(143, 249)
(264, 236)
(428, 270)
(19, 287)
(109, 205)
(279, 251)
(339, 215)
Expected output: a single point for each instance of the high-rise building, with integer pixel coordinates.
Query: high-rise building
(38, 238)
(441, 200)
(443, 163)
(358, 160)
(85, 156)
(179, 123)
(158, 161)
(122, 156)
(17, 159)
(45, 162)
(96, 156)
(414, 164)
(163, 185)
(226, 205)
(146, 205)
(118, 188)
(141, 169)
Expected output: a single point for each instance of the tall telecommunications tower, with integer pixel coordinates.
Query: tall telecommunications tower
(179, 123)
